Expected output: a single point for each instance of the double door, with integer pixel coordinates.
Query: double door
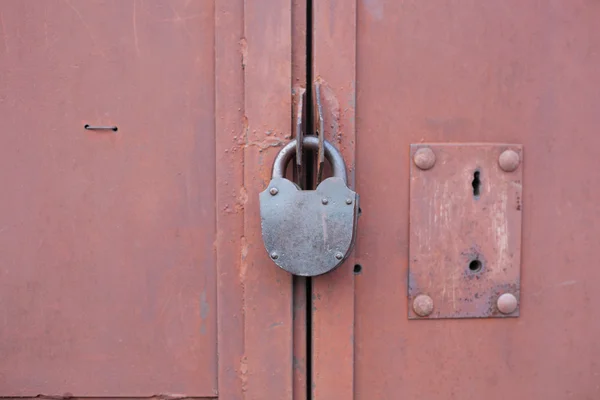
(137, 135)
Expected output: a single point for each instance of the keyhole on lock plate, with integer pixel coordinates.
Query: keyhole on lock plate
(475, 266)
(476, 184)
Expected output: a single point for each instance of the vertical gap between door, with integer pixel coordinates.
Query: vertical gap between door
(310, 184)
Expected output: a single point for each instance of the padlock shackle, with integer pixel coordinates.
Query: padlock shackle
(332, 155)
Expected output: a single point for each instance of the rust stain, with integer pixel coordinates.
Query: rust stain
(244, 51)
(243, 373)
(242, 199)
(268, 141)
(244, 262)
(332, 116)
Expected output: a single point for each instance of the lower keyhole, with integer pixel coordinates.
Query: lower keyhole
(475, 266)
(476, 184)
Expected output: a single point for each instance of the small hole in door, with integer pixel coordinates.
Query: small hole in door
(475, 266)
(357, 269)
(476, 184)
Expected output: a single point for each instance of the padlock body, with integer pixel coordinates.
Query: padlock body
(308, 232)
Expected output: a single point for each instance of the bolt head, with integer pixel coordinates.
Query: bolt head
(273, 191)
(348, 201)
(509, 160)
(507, 303)
(324, 200)
(274, 255)
(423, 305)
(424, 158)
(339, 255)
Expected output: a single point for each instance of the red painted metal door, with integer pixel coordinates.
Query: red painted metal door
(521, 72)
(130, 257)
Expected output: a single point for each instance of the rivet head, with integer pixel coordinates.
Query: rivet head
(273, 191)
(348, 201)
(339, 255)
(424, 158)
(509, 160)
(324, 200)
(423, 305)
(274, 255)
(507, 303)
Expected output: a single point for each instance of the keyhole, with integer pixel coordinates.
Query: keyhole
(475, 266)
(476, 184)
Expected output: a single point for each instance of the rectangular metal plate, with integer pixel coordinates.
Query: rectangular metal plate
(465, 230)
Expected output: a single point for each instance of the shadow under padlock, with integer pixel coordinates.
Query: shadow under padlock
(309, 232)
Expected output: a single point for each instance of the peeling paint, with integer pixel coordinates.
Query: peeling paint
(244, 51)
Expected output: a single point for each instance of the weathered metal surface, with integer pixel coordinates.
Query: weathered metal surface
(266, 366)
(481, 71)
(465, 228)
(252, 111)
(319, 128)
(229, 111)
(106, 238)
(285, 155)
(334, 59)
(308, 232)
(107, 266)
(298, 134)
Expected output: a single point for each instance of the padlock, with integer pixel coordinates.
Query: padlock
(309, 232)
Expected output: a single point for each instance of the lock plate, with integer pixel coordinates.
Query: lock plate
(308, 232)
(465, 231)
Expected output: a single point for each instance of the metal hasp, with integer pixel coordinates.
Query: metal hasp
(308, 232)
(465, 230)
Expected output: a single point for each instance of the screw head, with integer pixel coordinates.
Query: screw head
(348, 201)
(509, 160)
(424, 158)
(507, 303)
(339, 255)
(274, 255)
(423, 305)
(324, 200)
(273, 191)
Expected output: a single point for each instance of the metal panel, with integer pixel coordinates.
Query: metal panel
(107, 243)
(253, 85)
(266, 368)
(334, 61)
(481, 71)
(229, 107)
(107, 263)
(465, 230)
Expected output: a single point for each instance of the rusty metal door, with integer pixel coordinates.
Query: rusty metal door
(131, 147)
(454, 73)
